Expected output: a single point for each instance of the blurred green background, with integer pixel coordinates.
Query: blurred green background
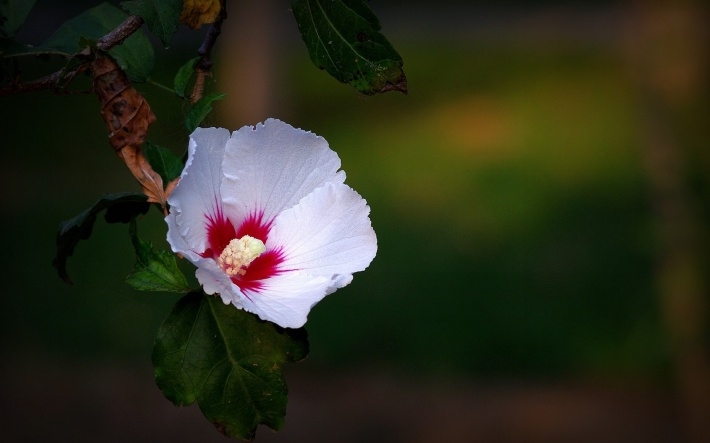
(523, 236)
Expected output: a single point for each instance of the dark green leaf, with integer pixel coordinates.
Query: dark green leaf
(183, 77)
(164, 162)
(155, 270)
(228, 361)
(134, 55)
(199, 110)
(13, 14)
(161, 16)
(342, 37)
(71, 232)
(126, 211)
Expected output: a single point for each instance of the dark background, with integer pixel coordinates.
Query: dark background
(541, 203)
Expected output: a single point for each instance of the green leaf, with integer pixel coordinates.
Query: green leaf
(127, 210)
(342, 37)
(183, 77)
(168, 165)
(134, 55)
(161, 16)
(13, 14)
(228, 361)
(199, 110)
(155, 270)
(119, 208)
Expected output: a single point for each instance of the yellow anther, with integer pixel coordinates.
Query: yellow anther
(239, 254)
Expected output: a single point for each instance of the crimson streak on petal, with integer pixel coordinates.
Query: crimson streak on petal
(263, 267)
(255, 226)
(220, 232)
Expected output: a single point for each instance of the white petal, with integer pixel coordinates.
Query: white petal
(287, 299)
(284, 299)
(272, 166)
(198, 191)
(177, 241)
(215, 281)
(327, 233)
(339, 281)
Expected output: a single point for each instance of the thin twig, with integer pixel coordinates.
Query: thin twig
(204, 66)
(130, 25)
(159, 85)
(46, 82)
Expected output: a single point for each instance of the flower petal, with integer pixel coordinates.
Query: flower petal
(284, 299)
(215, 281)
(270, 167)
(198, 191)
(287, 299)
(177, 241)
(328, 233)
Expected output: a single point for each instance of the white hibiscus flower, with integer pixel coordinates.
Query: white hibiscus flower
(265, 216)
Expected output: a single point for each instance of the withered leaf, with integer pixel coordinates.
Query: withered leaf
(125, 111)
(140, 168)
(127, 116)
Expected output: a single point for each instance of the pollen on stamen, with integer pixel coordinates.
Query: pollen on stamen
(239, 253)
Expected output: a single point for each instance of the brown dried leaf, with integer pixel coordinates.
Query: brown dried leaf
(150, 181)
(125, 111)
(127, 116)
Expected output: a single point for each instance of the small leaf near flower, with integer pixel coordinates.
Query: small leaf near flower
(155, 270)
(183, 77)
(228, 361)
(199, 110)
(164, 162)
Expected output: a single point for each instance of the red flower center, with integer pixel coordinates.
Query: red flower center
(221, 231)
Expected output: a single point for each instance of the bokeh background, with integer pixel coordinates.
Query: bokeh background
(541, 203)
